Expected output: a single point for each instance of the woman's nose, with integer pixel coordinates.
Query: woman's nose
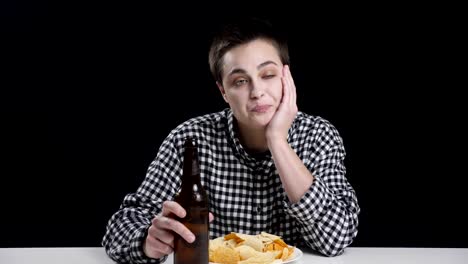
(257, 91)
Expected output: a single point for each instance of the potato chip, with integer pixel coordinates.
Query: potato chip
(291, 251)
(234, 236)
(246, 252)
(269, 247)
(237, 248)
(260, 258)
(213, 245)
(265, 239)
(284, 254)
(231, 243)
(225, 255)
(252, 242)
(270, 236)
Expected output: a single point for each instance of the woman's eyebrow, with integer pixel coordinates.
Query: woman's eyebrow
(261, 65)
(265, 64)
(237, 70)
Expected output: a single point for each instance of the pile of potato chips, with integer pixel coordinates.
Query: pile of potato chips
(236, 248)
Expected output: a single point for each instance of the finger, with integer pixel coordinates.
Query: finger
(288, 81)
(149, 248)
(159, 246)
(161, 234)
(174, 225)
(293, 86)
(173, 207)
(285, 97)
(211, 217)
(290, 85)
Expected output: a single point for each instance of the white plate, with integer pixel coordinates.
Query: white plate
(297, 254)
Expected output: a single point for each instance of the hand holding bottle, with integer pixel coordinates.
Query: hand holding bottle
(160, 238)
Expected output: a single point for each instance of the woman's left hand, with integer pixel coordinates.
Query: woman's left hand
(281, 121)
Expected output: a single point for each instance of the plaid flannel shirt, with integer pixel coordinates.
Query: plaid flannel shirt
(245, 191)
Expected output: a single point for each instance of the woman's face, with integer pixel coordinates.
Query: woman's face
(251, 83)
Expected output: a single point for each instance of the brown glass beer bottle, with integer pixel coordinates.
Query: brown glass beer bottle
(192, 197)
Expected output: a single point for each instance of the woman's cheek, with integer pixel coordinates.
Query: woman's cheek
(279, 92)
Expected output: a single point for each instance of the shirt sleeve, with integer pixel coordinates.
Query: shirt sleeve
(127, 228)
(328, 212)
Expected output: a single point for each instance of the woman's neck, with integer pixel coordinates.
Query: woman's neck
(252, 138)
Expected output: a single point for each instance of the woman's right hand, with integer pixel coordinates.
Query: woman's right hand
(160, 239)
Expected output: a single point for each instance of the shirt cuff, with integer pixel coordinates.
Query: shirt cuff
(136, 248)
(312, 204)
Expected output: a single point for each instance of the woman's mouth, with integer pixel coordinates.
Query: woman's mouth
(261, 108)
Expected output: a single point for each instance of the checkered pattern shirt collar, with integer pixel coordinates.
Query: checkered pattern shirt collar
(240, 151)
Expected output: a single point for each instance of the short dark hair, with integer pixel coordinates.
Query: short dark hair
(241, 32)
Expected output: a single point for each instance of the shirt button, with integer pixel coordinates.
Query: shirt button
(259, 209)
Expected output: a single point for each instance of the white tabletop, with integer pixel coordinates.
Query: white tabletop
(352, 255)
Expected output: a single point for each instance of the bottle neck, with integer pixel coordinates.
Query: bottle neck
(191, 172)
(189, 180)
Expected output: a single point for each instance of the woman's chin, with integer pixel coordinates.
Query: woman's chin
(261, 120)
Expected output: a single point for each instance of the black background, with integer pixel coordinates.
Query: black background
(89, 91)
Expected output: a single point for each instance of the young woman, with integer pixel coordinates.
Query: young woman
(265, 165)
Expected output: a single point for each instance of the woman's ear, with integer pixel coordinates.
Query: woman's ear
(223, 92)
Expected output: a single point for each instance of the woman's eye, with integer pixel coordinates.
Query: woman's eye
(240, 82)
(269, 76)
